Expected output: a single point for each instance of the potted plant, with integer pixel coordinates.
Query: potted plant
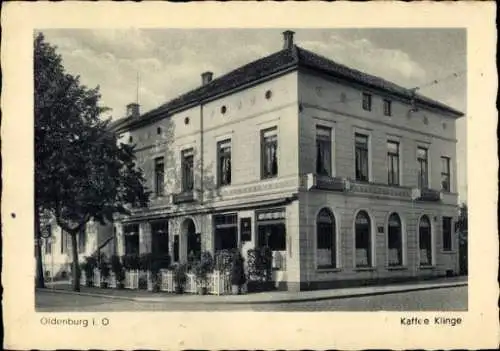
(105, 271)
(118, 270)
(237, 273)
(201, 270)
(180, 278)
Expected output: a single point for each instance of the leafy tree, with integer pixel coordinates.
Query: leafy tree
(81, 173)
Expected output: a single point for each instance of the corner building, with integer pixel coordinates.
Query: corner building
(345, 176)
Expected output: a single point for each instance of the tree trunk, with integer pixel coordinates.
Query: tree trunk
(39, 280)
(75, 271)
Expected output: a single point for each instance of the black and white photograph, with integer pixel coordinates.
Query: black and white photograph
(306, 170)
(249, 176)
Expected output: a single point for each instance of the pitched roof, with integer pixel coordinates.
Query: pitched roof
(278, 62)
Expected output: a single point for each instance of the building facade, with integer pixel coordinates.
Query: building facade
(57, 256)
(345, 176)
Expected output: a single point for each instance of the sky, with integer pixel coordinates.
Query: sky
(169, 62)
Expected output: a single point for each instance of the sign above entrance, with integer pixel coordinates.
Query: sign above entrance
(271, 215)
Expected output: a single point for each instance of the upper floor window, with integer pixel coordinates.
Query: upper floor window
(187, 164)
(159, 176)
(324, 151)
(423, 174)
(387, 107)
(269, 147)
(367, 101)
(445, 174)
(447, 234)
(224, 162)
(393, 162)
(361, 144)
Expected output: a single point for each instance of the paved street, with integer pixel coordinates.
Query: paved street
(451, 299)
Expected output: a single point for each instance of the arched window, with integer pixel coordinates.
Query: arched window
(395, 240)
(326, 248)
(425, 241)
(363, 240)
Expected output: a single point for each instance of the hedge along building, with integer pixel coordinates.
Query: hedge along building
(345, 176)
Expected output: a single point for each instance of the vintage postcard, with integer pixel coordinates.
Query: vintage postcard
(249, 176)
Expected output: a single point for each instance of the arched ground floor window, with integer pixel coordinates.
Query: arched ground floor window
(425, 241)
(326, 239)
(395, 240)
(363, 240)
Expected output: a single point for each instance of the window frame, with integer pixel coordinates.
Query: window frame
(334, 252)
(325, 142)
(387, 106)
(366, 103)
(446, 174)
(220, 154)
(264, 144)
(420, 162)
(396, 181)
(185, 155)
(402, 240)
(159, 174)
(367, 149)
(371, 256)
(447, 248)
(431, 242)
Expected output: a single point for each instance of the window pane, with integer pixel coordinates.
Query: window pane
(395, 243)
(224, 165)
(323, 151)
(273, 236)
(269, 153)
(363, 240)
(425, 244)
(447, 234)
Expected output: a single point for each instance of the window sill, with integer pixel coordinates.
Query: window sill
(327, 270)
(397, 268)
(363, 269)
(426, 267)
(448, 252)
(269, 177)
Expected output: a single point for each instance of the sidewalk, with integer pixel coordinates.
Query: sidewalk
(259, 298)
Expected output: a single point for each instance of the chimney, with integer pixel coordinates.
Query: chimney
(288, 39)
(206, 77)
(133, 110)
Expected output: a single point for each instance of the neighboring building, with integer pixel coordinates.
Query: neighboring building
(344, 175)
(57, 252)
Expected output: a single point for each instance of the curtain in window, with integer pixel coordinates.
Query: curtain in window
(363, 240)
(325, 239)
(425, 243)
(395, 241)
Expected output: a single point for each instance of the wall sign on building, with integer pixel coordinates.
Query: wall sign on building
(246, 229)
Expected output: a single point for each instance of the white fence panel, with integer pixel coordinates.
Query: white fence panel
(167, 281)
(131, 279)
(112, 280)
(191, 284)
